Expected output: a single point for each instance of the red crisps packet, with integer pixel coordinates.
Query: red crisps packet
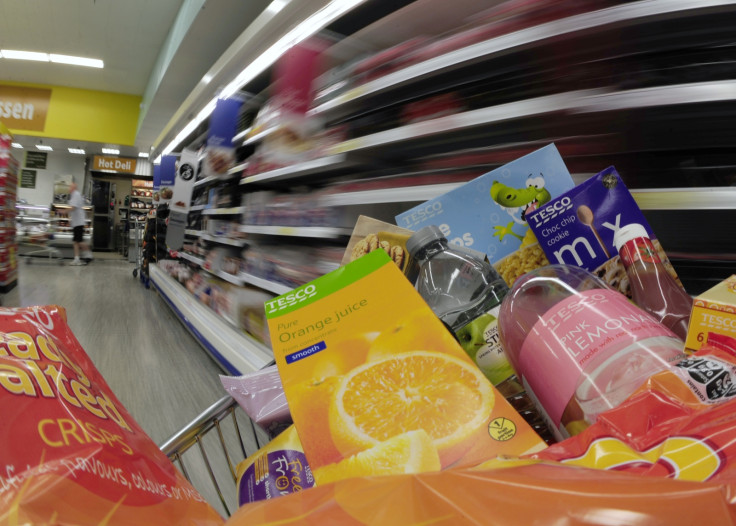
(680, 424)
(71, 453)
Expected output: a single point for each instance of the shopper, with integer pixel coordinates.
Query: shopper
(77, 221)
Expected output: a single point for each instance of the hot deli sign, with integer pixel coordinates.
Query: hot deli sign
(114, 164)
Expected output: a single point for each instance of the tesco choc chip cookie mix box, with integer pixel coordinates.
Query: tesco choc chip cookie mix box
(577, 228)
(375, 383)
(489, 213)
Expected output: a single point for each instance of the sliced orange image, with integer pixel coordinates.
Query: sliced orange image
(310, 401)
(411, 452)
(418, 330)
(448, 397)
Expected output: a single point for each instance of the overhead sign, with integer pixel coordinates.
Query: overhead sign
(28, 178)
(23, 108)
(114, 164)
(36, 160)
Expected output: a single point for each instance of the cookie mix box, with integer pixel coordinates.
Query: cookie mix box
(376, 384)
(577, 228)
(714, 311)
(489, 213)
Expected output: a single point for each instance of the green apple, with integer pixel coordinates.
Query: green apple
(480, 340)
(472, 336)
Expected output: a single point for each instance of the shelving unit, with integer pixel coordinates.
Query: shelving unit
(570, 80)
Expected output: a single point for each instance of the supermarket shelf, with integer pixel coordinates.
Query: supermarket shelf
(191, 258)
(242, 135)
(390, 195)
(234, 350)
(224, 240)
(235, 280)
(338, 161)
(231, 174)
(259, 136)
(223, 211)
(686, 198)
(196, 233)
(264, 284)
(237, 170)
(296, 231)
(196, 208)
(634, 12)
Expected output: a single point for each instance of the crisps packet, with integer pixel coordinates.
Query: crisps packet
(71, 453)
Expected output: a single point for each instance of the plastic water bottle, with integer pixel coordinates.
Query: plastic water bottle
(465, 292)
(580, 347)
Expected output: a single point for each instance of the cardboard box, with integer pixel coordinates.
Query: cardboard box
(371, 234)
(488, 214)
(713, 311)
(369, 371)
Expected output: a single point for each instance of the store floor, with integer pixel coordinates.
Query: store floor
(154, 366)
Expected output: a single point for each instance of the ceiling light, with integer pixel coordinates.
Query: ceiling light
(78, 151)
(110, 151)
(25, 55)
(17, 145)
(307, 28)
(143, 154)
(44, 148)
(77, 61)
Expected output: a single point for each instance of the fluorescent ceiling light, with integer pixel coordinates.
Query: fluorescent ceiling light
(143, 154)
(25, 55)
(111, 151)
(17, 145)
(307, 28)
(44, 148)
(77, 61)
(78, 151)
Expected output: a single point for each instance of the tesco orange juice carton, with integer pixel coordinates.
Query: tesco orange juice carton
(377, 385)
(713, 311)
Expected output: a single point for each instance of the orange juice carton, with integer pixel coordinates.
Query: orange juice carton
(713, 311)
(376, 384)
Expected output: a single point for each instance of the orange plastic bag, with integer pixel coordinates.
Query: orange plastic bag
(71, 453)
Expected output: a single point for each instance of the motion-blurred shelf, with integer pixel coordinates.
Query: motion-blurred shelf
(264, 284)
(223, 211)
(191, 258)
(223, 240)
(296, 231)
(332, 163)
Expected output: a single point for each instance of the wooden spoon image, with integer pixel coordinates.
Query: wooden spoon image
(585, 214)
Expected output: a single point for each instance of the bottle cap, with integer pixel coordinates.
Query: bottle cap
(627, 233)
(422, 237)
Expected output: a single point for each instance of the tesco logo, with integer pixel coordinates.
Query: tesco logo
(552, 210)
(423, 213)
(291, 299)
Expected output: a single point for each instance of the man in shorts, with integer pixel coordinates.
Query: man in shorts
(77, 221)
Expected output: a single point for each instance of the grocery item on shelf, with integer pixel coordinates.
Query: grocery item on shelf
(714, 312)
(261, 395)
(291, 265)
(489, 213)
(652, 287)
(363, 361)
(72, 454)
(580, 347)
(577, 228)
(277, 469)
(371, 234)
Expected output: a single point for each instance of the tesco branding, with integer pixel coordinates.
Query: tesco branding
(291, 299)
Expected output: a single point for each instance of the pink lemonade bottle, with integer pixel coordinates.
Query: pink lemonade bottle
(580, 347)
(652, 287)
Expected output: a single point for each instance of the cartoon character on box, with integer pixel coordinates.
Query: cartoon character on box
(519, 202)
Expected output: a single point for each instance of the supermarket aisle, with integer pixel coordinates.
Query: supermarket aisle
(154, 366)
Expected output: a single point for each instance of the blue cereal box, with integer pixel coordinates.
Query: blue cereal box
(577, 227)
(489, 213)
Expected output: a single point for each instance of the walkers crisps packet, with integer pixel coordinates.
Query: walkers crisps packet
(377, 385)
(71, 453)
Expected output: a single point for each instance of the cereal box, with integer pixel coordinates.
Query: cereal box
(577, 228)
(376, 384)
(714, 311)
(489, 213)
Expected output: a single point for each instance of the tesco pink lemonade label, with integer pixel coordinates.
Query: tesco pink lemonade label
(575, 335)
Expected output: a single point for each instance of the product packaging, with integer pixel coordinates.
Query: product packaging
(377, 385)
(489, 213)
(71, 453)
(579, 347)
(714, 311)
(371, 234)
(577, 228)
(261, 396)
(275, 470)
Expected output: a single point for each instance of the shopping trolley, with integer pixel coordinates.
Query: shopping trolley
(211, 466)
(40, 241)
